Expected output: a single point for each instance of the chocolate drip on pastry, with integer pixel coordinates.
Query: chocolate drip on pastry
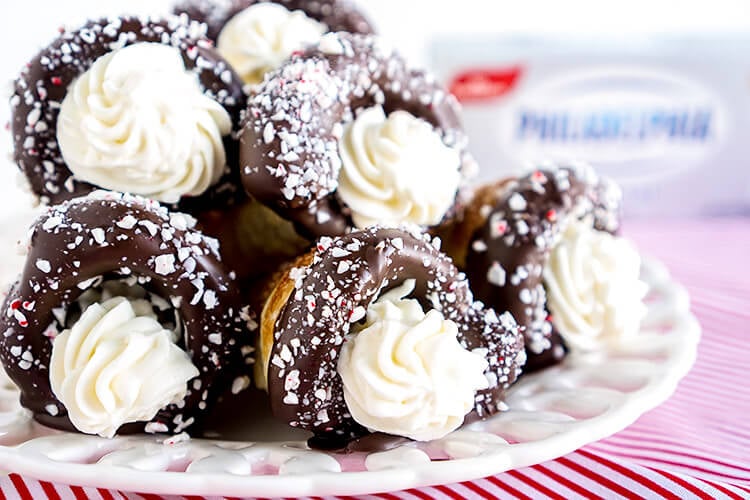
(44, 82)
(289, 145)
(334, 291)
(337, 15)
(109, 235)
(507, 254)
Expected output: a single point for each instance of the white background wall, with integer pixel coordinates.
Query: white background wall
(27, 24)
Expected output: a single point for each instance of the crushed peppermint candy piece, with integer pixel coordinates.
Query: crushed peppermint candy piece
(43, 265)
(165, 264)
(496, 274)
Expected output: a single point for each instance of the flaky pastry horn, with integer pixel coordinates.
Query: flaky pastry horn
(359, 304)
(251, 233)
(458, 232)
(274, 294)
(508, 237)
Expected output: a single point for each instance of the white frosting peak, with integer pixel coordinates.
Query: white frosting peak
(117, 365)
(396, 170)
(405, 373)
(593, 288)
(137, 121)
(261, 37)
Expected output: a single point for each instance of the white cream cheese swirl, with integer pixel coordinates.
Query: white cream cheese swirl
(117, 365)
(138, 122)
(260, 38)
(396, 170)
(593, 288)
(405, 373)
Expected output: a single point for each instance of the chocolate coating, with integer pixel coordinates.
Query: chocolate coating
(548, 357)
(107, 235)
(337, 15)
(346, 275)
(43, 84)
(507, 255)
(289, 155)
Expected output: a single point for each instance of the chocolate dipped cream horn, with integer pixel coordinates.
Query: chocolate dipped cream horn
(124, 319)
(377, 331)
(544, 247)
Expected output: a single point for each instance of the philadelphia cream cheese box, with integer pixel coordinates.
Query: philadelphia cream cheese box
(667, 117)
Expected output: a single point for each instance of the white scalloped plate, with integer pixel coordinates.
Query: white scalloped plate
(587, 398)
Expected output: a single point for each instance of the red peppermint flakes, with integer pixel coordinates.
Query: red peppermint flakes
(538, 176)
(21, 318)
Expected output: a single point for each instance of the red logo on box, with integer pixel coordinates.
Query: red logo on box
(484, 84)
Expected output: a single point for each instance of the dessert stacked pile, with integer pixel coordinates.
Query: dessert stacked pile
(256, 193)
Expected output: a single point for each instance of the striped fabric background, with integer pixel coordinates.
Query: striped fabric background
(697, 445)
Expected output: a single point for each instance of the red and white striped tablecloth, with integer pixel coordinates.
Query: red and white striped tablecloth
(696, 445)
